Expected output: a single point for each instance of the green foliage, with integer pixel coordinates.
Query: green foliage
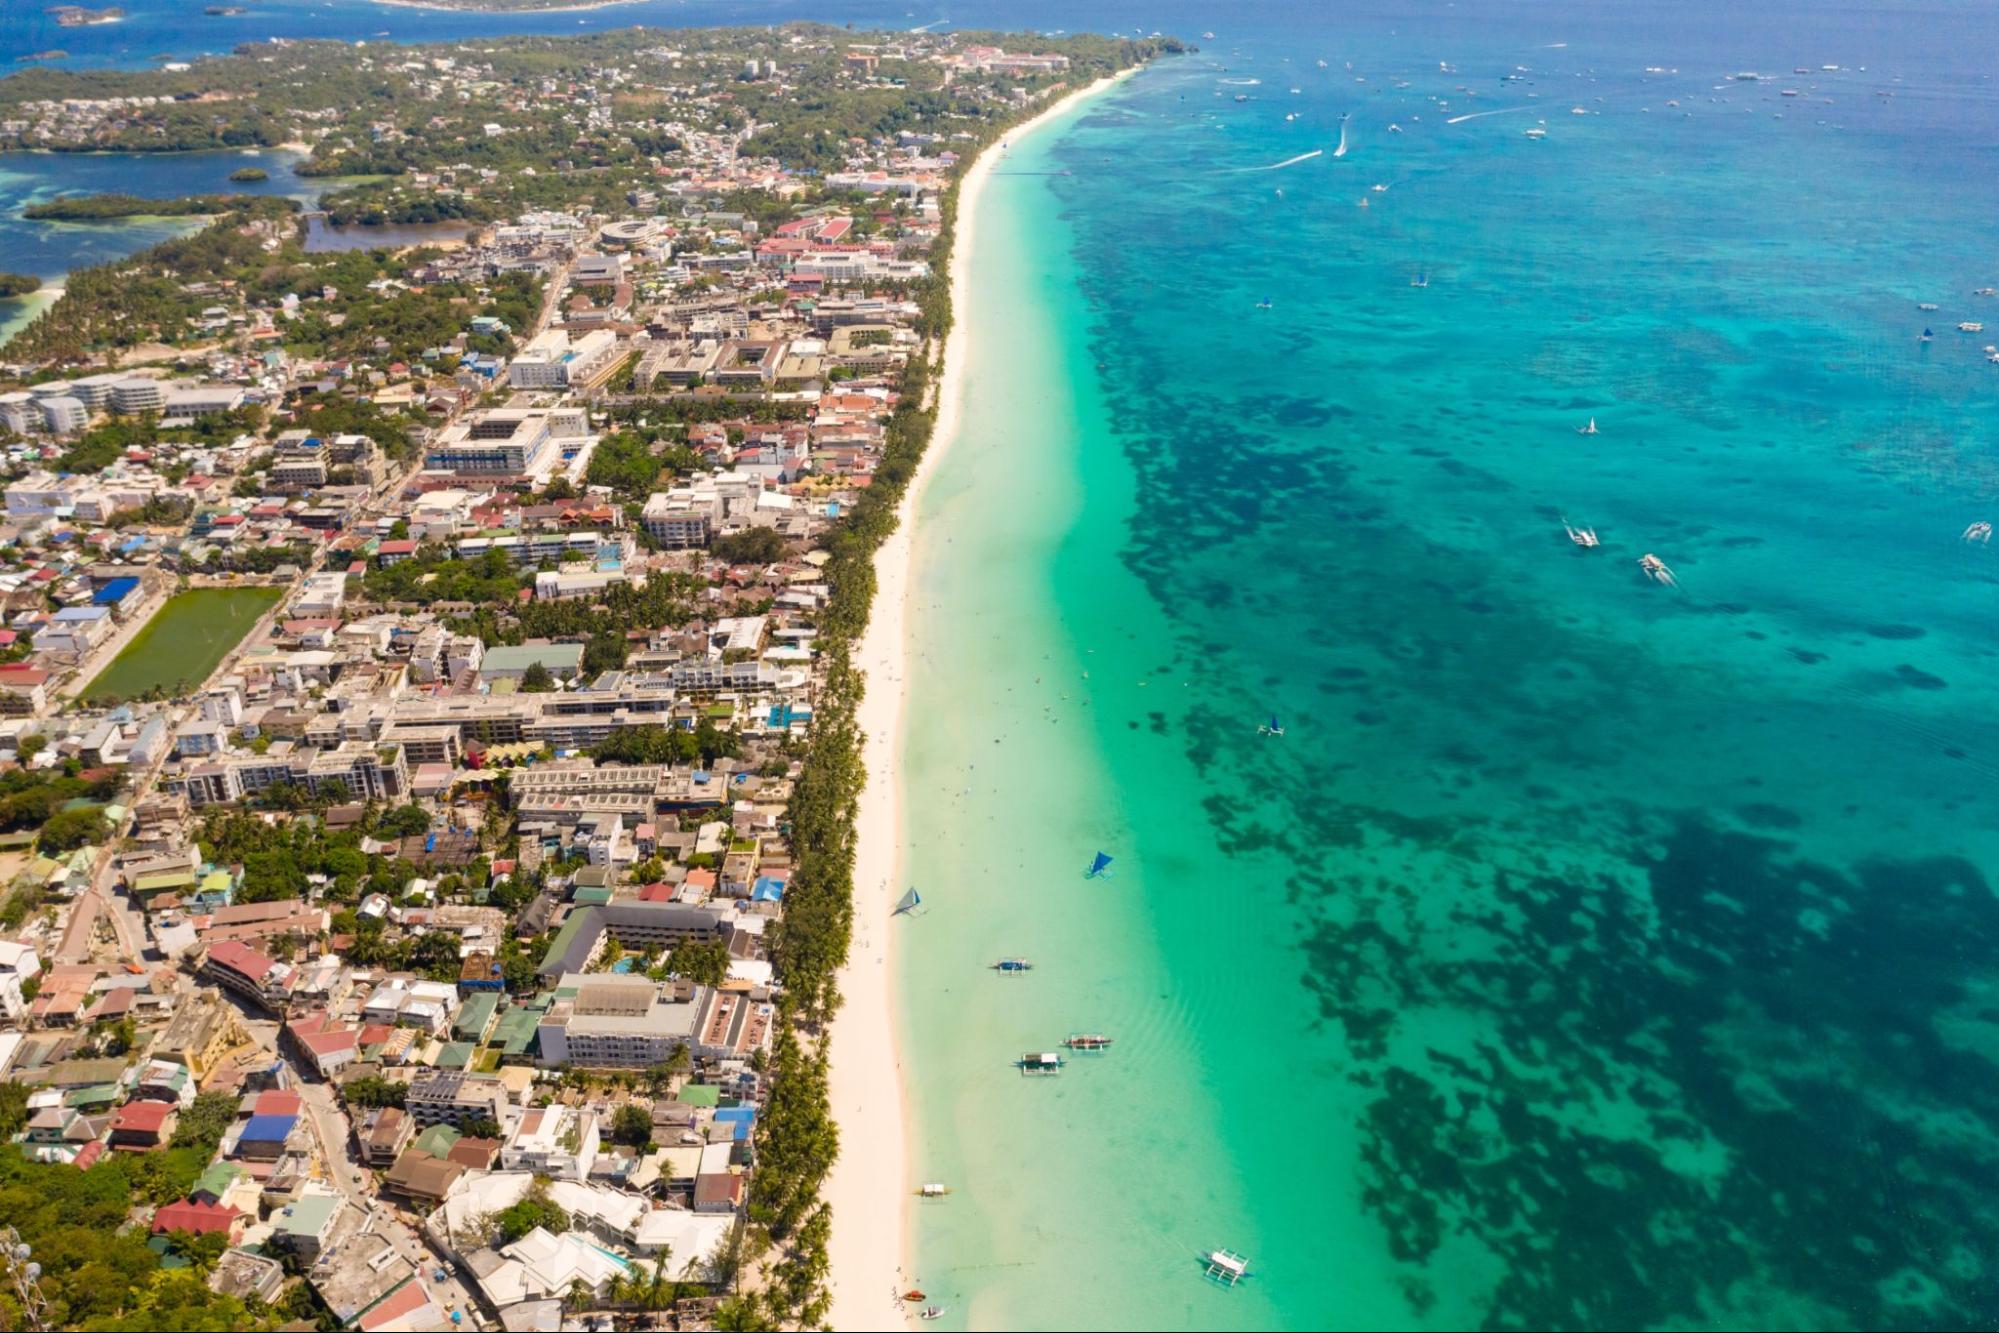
(537, 679)
(18, 284)
(753, 546)
(67, 830)
(631, 1125)
(373, 1091)
(202, 1125)
(668, 745)
(535, 1209)
(113, 207)
(434, 575)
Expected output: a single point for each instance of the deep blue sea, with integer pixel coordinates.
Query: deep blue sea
(1589, 952)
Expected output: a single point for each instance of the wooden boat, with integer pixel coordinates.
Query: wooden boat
(1043, 1064)
(913, 1296)
(933, 1189)
(1008, 967)
(1087, 1041)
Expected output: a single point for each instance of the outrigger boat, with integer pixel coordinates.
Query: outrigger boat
(1655, 569)
(1087, 1041)
(908, 903)
(933, 1189)
(913, 1296)
(1271, 728)
(1099, 867)
(1007, 967)
(1226, 1266)
(1045, 1064)
(1581, 536)
(1979, 532)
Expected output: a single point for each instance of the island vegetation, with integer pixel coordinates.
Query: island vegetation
(246, 175)
(117, 207)
(18, 284)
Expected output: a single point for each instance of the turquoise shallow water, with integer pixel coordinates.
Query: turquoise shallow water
(1588, 953)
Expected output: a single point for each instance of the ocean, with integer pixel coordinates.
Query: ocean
(1588, 951)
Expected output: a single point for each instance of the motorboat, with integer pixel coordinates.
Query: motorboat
(1656, 570)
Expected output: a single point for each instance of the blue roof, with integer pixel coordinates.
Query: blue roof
(744, 1114)
(268, 1128)
(767, 890)
(117, 590)
(75, 614)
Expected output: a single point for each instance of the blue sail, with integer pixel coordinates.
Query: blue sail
(909, 900)
(1275, 725)
(1098, 866)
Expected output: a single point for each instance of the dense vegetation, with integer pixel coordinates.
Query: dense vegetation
(112, 207)
(18, 284)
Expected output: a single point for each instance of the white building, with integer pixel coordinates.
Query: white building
(556, 1141)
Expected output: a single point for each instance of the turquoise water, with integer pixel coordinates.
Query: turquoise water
(1588, 952)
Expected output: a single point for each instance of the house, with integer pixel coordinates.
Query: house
(556, 1141)
(263, 1137)
(457, 1098)
(307, 1224)
(241, 1274)
(143, 1126)
(199, 1219)
(421, 1179)
(383, 1134)
(719, 1192)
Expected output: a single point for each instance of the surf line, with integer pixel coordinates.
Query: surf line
(1287, 162)
(1474, 115)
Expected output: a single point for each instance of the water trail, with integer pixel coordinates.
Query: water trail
(1474, 115)
(1341, 151)
(1287, 162)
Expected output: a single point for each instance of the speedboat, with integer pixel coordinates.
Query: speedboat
(1655, 570)
(1536, 133)
(1927, 305)
(1971, 326)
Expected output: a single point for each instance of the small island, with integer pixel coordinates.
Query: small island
(41, 55)
(117, 207)
(246, 174)
(506, 6)
(76, 16)
(18, 284)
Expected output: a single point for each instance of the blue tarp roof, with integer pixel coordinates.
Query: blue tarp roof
(745, 1114)
(268, 1128)
(767, 890)
(117, 590)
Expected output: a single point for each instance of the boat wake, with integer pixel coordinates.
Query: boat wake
(1287, 162)
(1474, 115)
(1341, 151)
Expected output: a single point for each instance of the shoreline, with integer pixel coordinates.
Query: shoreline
(869, 1186)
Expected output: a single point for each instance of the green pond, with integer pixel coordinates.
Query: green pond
(182, 643)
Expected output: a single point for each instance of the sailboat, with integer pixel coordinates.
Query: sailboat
(1420, 280)
(908, 902)
(1264, 304)
(1099, 868)
(1589, 429)
(1927, 335)
(1271, 728)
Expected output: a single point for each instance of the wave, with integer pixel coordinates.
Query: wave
(1474, 115)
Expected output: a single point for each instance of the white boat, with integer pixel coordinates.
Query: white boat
(1979, 532)
(1655, 570)
(1971, 326)
(1536, 133)
(1042, 1064)
(1589, 429)
(1927, 305)
(1585, 537)
(1226, 1266)
(932, 1312)
(934, 1189)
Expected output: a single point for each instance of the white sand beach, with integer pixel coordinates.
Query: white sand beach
(870, 1185)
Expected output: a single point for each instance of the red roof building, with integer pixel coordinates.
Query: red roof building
(200, 1219)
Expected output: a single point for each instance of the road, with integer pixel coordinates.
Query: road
(79, 935)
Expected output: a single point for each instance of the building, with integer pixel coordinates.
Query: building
(201, 1032)
(556, 1141)
(18, 963)
(633, 923)
(618, 1022)
(453, 1097)
(238, 968)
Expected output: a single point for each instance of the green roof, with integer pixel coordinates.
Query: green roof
(700, 1094)
(591, 897)
(455, 1055)
(514, 1033)
(93, 1094)
(559, 946)
(475, 1014)
(308, 1216)
(557, 657)
(166, 879)
(436, 1140)
(217, 1179)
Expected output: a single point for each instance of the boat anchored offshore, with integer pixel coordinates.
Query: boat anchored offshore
(1041, 1064)
(1008, 967)
(932, 1312)
(1655, 570)
(933, 1189)
(1271, 728)
(908, 903)
(1087, 1041)
(1979, 532)
(1100, 867)
(1226, 1266)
